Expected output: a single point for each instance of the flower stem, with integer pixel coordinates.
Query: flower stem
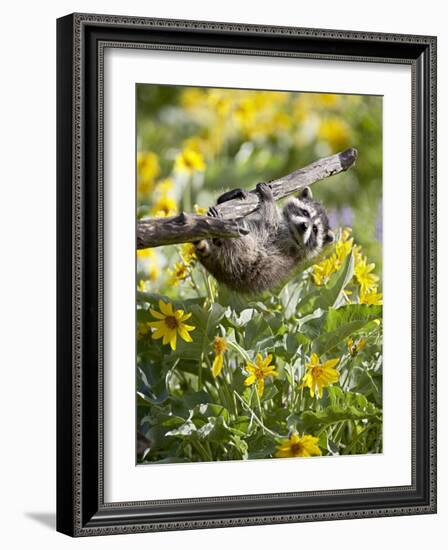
(239, 350)
(254, 416)
(200, 372)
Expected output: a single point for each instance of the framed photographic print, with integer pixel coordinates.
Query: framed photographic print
(246, 274)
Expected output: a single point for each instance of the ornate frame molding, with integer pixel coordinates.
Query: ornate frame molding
(81, 42)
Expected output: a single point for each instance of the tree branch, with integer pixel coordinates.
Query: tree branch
(184, 228)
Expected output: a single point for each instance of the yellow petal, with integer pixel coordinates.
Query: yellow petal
(314, 359)
(157, 314)
(165, 308)
(157, 334)
(217, 365)
(259, 359)
(267, 360)
(250, 380)
(178, 314)
(188, 327)
(260, 386)
(283, 453)
(330, 363)
(250, 367)
(185, 317)
(183, 333)
(173, 341)
(157, 324)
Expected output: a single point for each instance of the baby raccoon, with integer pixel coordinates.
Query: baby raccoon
(277, 243)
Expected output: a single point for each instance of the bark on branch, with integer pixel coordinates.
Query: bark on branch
(186, 228)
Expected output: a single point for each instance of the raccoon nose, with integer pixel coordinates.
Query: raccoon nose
(303, 226)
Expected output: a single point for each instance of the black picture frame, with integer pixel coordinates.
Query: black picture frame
(81, 39)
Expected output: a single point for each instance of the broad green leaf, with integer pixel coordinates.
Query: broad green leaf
(289, 297)
(340, 323)
(208, 410)
(185, 430)
(333, 413)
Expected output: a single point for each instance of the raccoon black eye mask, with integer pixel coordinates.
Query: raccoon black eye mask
(278, 241)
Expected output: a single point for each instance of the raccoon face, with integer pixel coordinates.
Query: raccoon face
(307, 222)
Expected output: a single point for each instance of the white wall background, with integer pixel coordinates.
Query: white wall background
(27, 255)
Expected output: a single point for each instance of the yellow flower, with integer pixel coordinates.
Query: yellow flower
(335, 131)
(297, 446)
(148, 166)
(372, 298)
(153, 272)
(164, 206)
(327, 100)
(219, 102)
(342, 249)
(355, 347)
(192, 97)
(164, 186)
(188, 253)
(323, 271)
(258, 371)
(189, 161)
(366, 280)
(144, 253)
(200, 210)
(320, 374)
(178, 273)
(219, 347)
(245, 111)
(170, 324)
(147, 257)
(141, 285)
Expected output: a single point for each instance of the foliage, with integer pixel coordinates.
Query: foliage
(273, 351)
(298, 372)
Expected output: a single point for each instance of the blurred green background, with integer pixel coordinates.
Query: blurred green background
(195, 143)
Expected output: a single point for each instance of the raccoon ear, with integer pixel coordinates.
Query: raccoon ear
(305, 194)
(329, 237)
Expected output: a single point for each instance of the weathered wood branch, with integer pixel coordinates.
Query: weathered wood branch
(184, 228)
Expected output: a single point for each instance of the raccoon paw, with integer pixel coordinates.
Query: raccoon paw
(231, 195)
(264, 191)
(212, 212)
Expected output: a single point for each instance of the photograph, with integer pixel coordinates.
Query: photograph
(259, 303)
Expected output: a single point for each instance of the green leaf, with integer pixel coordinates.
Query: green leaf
(206, 322)
(152, 383)
(311, 420)
(340, 323)
(211, 410)
(185, 430)
(289, 297)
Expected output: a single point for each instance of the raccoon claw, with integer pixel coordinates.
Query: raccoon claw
(264, 191)
(231, 195)
(212, 212)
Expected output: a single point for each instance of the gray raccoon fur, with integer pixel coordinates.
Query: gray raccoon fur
(277, 243)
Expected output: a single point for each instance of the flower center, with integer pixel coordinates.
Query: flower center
(317, 372)
(259, 373)
(219, 345)
(296, 448)
(171, 322)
